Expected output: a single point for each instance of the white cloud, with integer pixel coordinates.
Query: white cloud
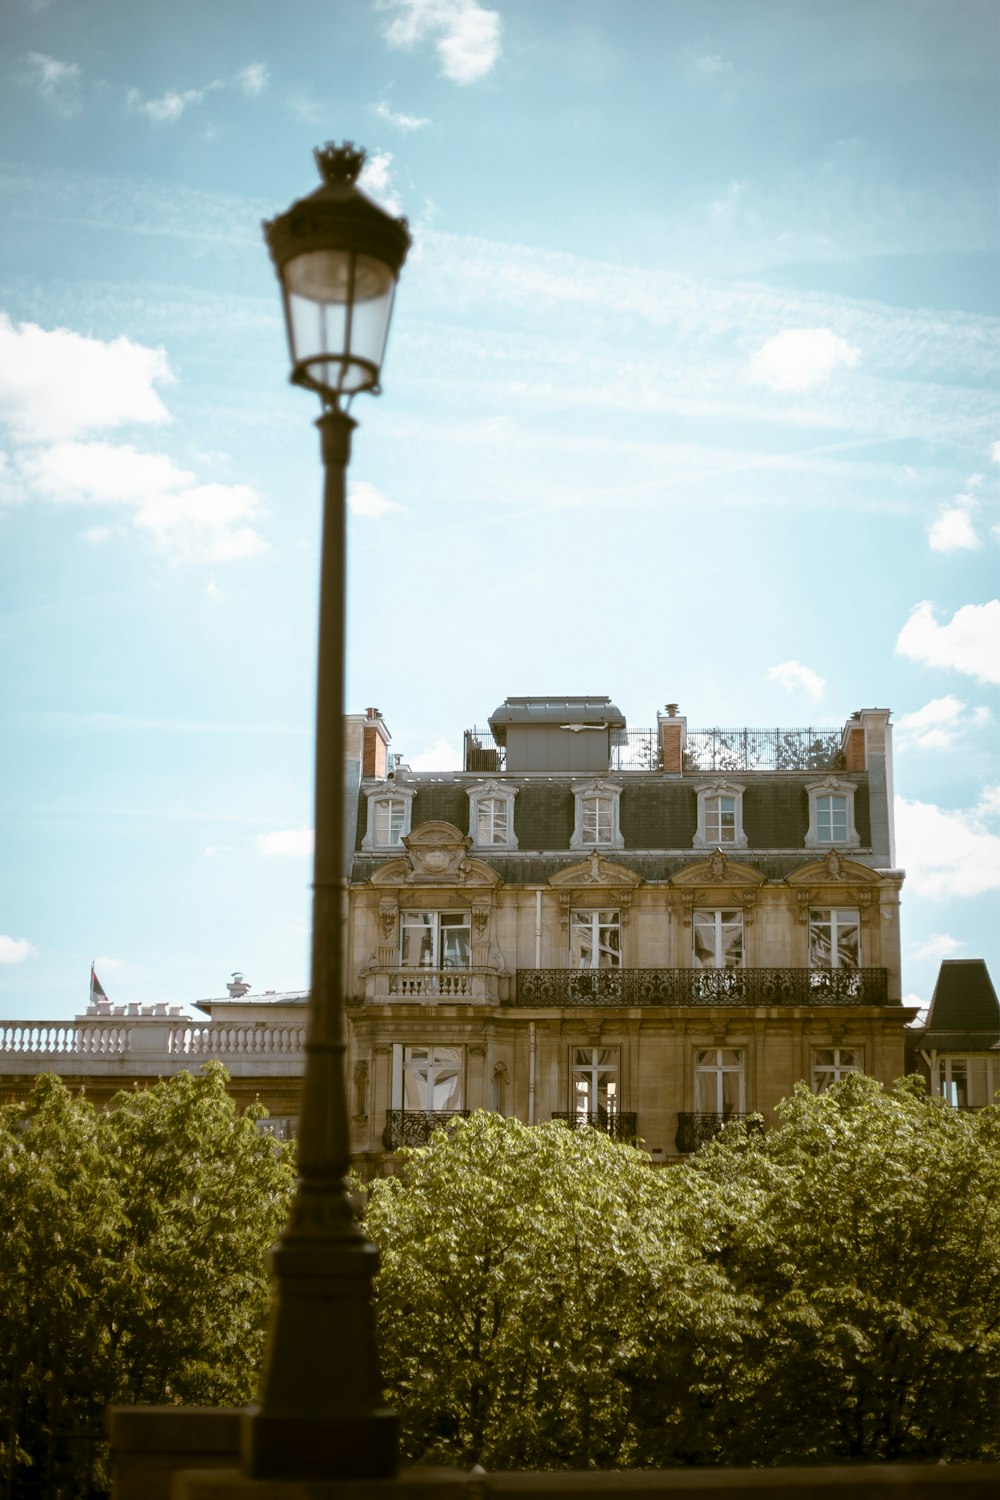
(102, 473)
(286, 843)
(56, 384)
(169, 107)
(376, 179)
(947, 853)
(988, 805)
(953, 531)
(204, 524)
(437, 757)
(213, 849)
(365, 499)
(800, 358)
(711, 62)
(995, 453)
(401, 121)
(15, 950)
(933, 727)
(939, 945)
(466, 34)
(58, 83)
(96, 536)
(253, 78)
(969, 642)
(794, 678)
(213, 593)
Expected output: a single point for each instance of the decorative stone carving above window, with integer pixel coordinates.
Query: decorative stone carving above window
(595, 824)
(720, 816)
(436, 853)
(491, 815)
(831, 815)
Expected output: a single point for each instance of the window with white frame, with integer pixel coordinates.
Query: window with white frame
(596, 820)
(435, 939)
(831, 815)
(831, 1064)
(967, 1082)
(491, 816)
(720, 1081)
(594, 1084)
(389, 812)
(717, 938)
(595, 938)
(834, 938)
(428, 1077)
(720, 817)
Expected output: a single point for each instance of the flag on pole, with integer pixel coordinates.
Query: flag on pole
(97, 995)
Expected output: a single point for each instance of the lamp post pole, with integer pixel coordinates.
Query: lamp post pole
(320, 1413)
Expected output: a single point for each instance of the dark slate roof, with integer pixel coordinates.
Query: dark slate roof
(964, 1009)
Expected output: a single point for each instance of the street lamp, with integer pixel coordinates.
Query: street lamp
(320, 1412)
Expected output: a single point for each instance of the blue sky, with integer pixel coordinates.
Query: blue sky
(691, 395)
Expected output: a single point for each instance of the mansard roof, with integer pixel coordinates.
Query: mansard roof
(965, 1012)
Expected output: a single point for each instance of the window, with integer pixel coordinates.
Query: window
(831, 1064)
(595, 1084)
(596, 822)
(968, 1082)
(831, 814)
(428, 1078)
(435, 939)
(720, 817)
(389, 811)
(595, 939)
(719, 1081)
(834, 938)
(491, 816)
(717, 938)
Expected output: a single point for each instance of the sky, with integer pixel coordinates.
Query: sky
(690, 396)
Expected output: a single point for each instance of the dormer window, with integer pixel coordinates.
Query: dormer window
(596, 821)
(389, 811)
(491, 816)
(720, 817)
(831, 815)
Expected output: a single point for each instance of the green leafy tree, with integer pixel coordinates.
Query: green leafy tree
(131, 1259)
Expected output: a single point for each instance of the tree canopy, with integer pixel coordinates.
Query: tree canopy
(131, 1260)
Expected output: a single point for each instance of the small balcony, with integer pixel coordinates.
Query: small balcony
(693, 1130)
(431, 986)
(621, 1126)
(413, 1127)
(666, 988)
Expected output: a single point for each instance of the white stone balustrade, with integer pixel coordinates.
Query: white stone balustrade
(152, 1045)
(458, 986)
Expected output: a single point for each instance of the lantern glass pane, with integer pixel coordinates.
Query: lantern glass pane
(338, 317)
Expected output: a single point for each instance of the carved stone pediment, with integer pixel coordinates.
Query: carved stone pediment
(834, 869)
(719, 869)
(596, 870)
(436, 854)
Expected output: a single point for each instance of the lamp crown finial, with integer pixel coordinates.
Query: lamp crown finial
(339, 163)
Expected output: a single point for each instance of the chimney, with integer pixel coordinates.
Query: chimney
(237, 986)
(673, 739)
(375, 743)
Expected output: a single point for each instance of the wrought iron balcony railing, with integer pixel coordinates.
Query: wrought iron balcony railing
(677, 987)
(413, 1127)
(621, 1125)
(693, 1130)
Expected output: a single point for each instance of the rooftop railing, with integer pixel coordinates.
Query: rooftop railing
(716, 750)
(88, 1044)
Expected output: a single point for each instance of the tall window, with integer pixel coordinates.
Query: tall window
(389, 811)
(595, 1083)
(491, 815)
(435, 939)
(720, 817)
(831, 814)
(834, 938)
(719, 1081)
(596, 819)
(432, 1078)
(717, 938)
(596, 822)
(595, 939)
(831, 1064)
(831, 820)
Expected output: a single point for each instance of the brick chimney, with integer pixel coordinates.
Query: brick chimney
(672, 728)
(375, 745)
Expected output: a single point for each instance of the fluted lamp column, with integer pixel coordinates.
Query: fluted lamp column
(320, 1412)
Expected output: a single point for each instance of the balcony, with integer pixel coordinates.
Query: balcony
(693, 1130)
(426, 986)
(152, 1044)
(413, 1127)
(620, 1126)
(709, 987)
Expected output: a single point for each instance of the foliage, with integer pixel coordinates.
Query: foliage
(824, 1291)
(131, 1260)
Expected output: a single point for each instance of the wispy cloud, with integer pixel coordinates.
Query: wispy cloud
(711, 62)
(366, 500)
(15, 950)
(401, 121)
(376, 179)
(465, 34)
(949, 852)
(938, 724)
(253, 78)
(969, 642)
(441, 756)
(286, 843)
(725, 206)
(799, 358)
(795, 678)
(168, 108)
(939, 945)
(58, 83)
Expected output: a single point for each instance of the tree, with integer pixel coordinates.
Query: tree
(131, 1259)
